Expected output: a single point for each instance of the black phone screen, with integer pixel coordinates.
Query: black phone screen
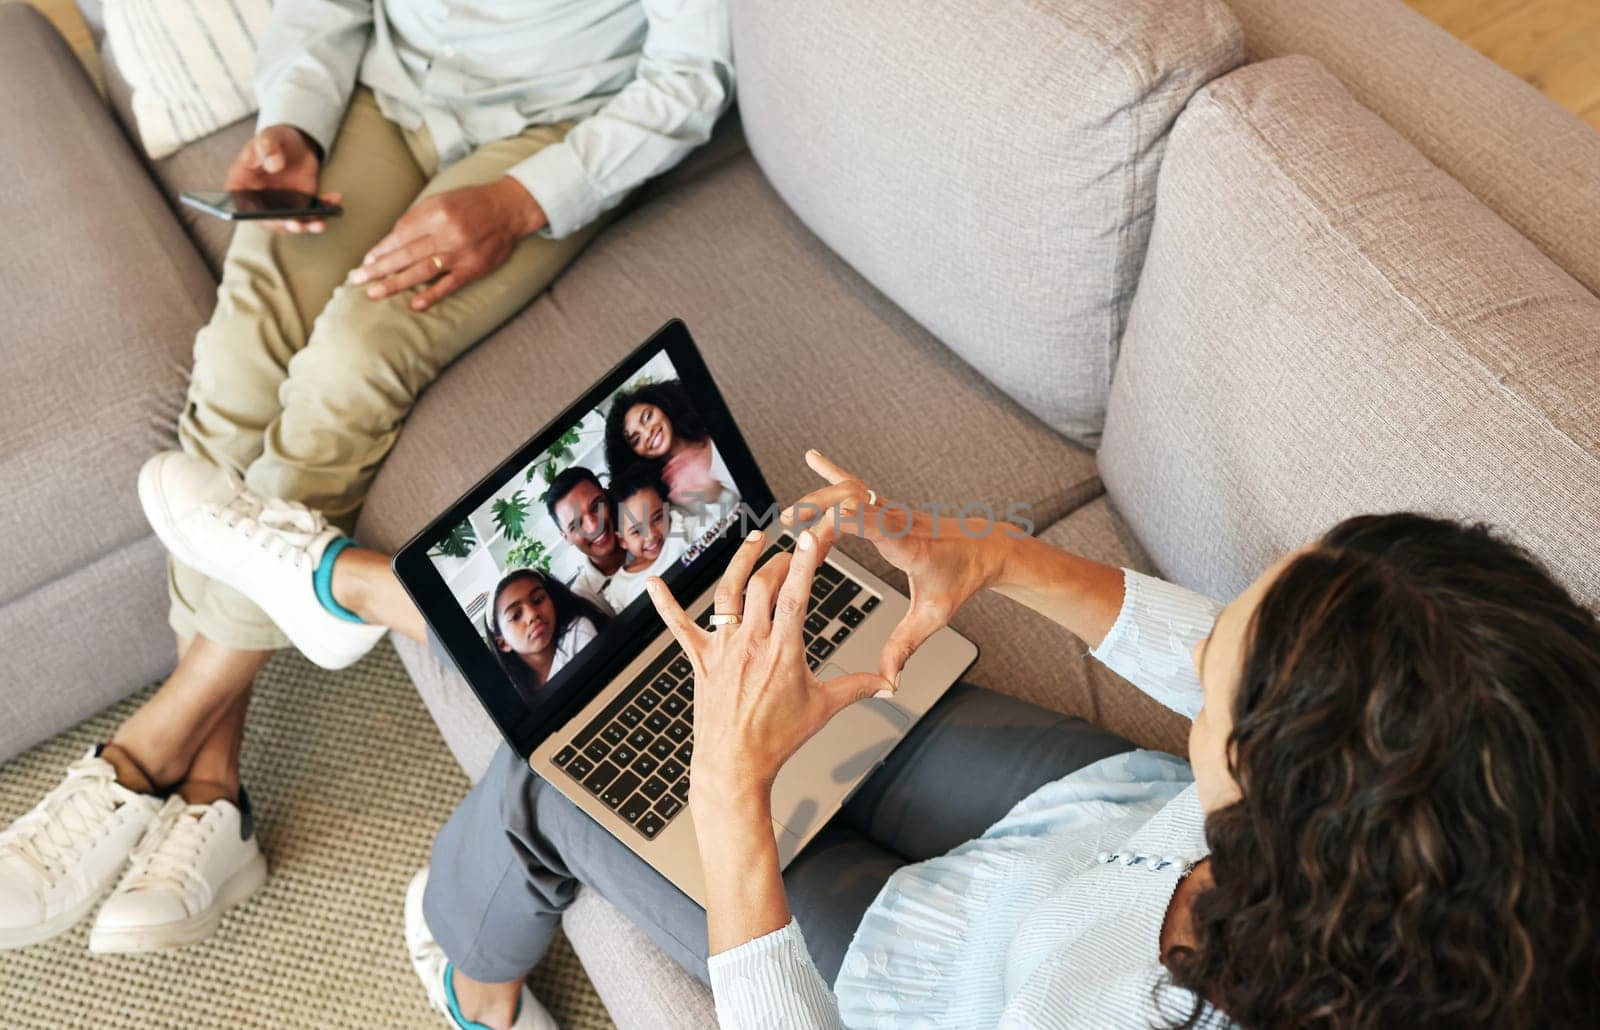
(250, 204)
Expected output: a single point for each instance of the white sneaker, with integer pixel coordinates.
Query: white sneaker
(58, 859)
(432, 967)
(268, 550)
(194, 863)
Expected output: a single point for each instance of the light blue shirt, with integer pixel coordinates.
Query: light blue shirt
(646, 79)
(1052, 918)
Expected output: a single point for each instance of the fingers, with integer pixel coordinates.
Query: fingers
(442, 287)
(269, 155)
(729, 598)
(920, 623)
(405, 252)
(813, 508)
(413, 225)
(296, 226)
(846, 506)
(844, 691)
(683, 630)
(825, 468)
(762, 592)
(790, 611)
(405, 279)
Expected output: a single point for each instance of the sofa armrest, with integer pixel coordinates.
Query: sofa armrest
(1532, 162)
(1329, 325)
(641, 987)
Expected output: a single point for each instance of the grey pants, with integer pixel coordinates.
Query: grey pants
(512, 856)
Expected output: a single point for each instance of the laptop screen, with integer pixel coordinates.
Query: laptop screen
(535, 582)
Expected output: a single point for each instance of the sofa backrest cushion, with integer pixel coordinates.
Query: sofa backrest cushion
(989, 165)
(1329, 325)
(1532, 162)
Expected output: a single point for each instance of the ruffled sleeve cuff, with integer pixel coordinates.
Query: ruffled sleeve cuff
(771, 981)
(1151, 644)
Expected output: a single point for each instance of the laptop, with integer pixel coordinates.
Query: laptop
(541, 607)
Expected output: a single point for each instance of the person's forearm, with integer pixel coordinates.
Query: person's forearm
(1082, 595)
(682, 84)
(744, 888)
(306, 64)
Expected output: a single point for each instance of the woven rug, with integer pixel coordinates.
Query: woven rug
(350, 780)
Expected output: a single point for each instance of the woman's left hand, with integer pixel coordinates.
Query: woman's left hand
(756, 699)
(688, 476)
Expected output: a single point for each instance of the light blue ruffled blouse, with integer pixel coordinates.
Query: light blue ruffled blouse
(1053, 917)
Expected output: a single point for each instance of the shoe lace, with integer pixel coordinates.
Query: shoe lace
(70, 817)
(167, 857)
(284, 529)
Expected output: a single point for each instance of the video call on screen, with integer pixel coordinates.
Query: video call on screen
(634, 489)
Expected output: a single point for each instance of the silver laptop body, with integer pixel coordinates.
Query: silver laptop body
(820, 778)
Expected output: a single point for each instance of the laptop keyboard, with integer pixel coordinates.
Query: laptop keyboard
(634, 756)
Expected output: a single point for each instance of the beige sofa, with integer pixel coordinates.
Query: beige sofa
(1117, 261)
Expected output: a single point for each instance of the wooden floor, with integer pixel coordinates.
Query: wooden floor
(1552, 44)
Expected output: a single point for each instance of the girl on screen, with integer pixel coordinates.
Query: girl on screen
(536, 625)
(657, 422)
(651, 533)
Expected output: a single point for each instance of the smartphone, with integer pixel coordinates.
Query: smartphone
(249, 205)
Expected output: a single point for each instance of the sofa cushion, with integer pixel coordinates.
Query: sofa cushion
(105, 295)
(1532, 162)
(805, 351)
(1328, 324)
(201, 165)
(64, 665)
(989, 166)
(642, 988)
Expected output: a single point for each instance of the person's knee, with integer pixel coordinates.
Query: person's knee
(364, 359)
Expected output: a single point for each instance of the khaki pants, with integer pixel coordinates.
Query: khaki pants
(300, 382)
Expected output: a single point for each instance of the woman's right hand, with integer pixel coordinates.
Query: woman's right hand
(947, 559)
(280, 157)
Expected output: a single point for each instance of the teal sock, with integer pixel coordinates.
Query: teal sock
(455, 1006)
(322, 579)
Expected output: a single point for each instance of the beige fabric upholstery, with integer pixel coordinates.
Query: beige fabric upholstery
(1534, 163)
(990, 166)
(642, 988)
(202, 165)
(1328, 325)
(96, 352)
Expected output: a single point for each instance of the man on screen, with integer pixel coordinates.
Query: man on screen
(584, 513)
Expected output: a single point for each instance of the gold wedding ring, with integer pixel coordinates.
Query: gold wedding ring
(722, 619)
(438, 263)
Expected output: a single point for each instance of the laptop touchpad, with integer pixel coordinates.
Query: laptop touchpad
(816, 781)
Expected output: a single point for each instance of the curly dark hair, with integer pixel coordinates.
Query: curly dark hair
(568, 606)
(1416, 843)
(672, 397)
